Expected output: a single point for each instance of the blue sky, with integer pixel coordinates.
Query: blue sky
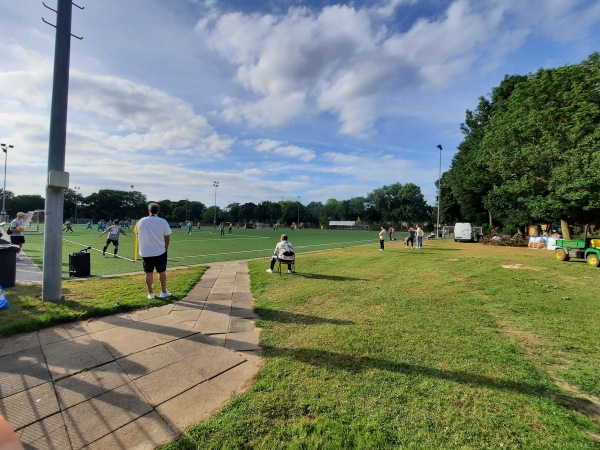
(273, 99)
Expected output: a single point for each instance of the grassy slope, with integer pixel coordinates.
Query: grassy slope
(433, 348)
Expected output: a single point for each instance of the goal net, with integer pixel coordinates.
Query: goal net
(33, 219)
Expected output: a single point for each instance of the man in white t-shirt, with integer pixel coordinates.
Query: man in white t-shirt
(154, 236)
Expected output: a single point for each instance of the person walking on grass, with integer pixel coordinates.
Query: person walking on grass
(190, 226)
(89, 226)
(410, 239)
(154, 237)
(113, 237)
(419, 234)
(382, 239)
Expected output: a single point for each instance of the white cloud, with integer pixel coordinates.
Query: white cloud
(281, 149)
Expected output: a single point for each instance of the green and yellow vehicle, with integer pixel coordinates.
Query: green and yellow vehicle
(586, 248)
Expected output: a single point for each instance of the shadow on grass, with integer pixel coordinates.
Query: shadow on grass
(320, 276)
(288, 317)
(357, 364)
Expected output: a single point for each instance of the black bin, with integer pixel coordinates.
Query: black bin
(8, 266)
(79, 264)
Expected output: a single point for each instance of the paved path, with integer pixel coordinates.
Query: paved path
(136, 380)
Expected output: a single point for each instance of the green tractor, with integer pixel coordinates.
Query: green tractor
(588, 249)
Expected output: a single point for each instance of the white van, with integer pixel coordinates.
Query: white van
(464, 232)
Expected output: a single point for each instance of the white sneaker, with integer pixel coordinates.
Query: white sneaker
(289, 271)
(165, 294)
(269, 270)
(380, 249)
(150, 296)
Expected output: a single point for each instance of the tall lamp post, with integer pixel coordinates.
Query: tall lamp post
(76, 200)
(216, 185)
(298, 223)
(3, 213)
(439, 192)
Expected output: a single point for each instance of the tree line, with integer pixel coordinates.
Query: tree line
(530, 153)
(390, 204)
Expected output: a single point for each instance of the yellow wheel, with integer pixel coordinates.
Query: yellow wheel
(561, 254)
(593, 259)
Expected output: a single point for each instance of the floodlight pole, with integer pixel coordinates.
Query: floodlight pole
(76, 201)
(439, 193)
(216, 185)
(3, 217)
(57, 178)
(298, 223)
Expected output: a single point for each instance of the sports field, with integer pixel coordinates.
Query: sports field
(201, 247)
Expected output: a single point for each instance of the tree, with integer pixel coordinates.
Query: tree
(544, 148)
(412, 207)
(26, 203)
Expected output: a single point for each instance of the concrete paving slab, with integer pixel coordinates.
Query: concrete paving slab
(147, 361)
(177, 331)
(238, 379)
(193, 406)
(19, 343)
(212, 322)
(104, 323)
(49, 433)
(240, 325)
(211, 361)
(144, 433)
(74, 355)
(243, 313)
(90, 383)
(164, 384)
(243, 341)
(27, 407)
(190, 344)
(187, 315)
(22, 371)
(218, 305)
(71, 387)
(146, 314)
(62, 332)
(136, 342)
(91, 420)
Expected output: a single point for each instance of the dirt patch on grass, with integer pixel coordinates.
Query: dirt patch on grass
(536, 347)
(518, 266)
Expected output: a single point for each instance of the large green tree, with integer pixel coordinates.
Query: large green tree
(544, 147)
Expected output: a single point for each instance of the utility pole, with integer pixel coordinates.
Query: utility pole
(58, 179)
(439, 200)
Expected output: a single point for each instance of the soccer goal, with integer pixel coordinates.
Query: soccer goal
(33, 220)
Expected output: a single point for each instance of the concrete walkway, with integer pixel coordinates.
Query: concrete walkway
(136, 380)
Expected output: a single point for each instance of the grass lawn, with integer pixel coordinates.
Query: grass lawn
(88, 298)
(455, 346)
(203, 246)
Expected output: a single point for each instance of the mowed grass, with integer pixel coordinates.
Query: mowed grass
(454, 346)
(201, 247)
(88, 298)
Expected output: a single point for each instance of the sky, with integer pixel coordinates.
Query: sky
(276, 100)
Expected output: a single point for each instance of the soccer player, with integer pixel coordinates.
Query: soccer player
(113, 237)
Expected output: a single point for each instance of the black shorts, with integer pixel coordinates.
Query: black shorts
(112, 241)
(17, 240)
(155, 262)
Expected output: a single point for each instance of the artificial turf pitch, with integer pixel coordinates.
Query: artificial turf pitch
(201, 247)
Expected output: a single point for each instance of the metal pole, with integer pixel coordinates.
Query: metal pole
(216, 185)
(76, 202)
(52, 275)
(5, 150)
(439, 193)
(298, 223)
